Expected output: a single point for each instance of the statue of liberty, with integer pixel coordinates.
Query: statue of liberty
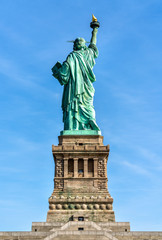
(77, 76)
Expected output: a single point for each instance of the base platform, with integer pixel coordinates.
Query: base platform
(80, 132)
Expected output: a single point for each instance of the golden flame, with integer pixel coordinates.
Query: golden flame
(94, 19)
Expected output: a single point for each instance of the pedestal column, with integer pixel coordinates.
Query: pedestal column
(75, 167)
(95, 167)
(85, 167)
(65, 167)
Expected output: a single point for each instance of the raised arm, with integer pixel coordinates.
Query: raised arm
(94, 25)
(94, 35)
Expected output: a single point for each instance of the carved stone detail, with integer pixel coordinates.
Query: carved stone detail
(102, 185)
(76, 206)
(101, 167)
(59, 184)
(59, 167)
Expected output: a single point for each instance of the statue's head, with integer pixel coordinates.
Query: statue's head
(79, 44)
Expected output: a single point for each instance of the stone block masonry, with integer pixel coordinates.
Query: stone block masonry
(80, 180)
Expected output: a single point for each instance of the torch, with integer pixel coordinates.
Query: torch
(94, 23)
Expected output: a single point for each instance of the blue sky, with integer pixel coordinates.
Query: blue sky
(33, 37)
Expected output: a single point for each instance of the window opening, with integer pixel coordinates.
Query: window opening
(80, 166)
(90, 165)
(70, 166)
(80, 229)
(80, 218)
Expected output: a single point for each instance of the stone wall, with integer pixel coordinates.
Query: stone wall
(138, 235)
(80, 179)
(80, 235)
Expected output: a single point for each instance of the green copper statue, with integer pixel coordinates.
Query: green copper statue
(77, 77)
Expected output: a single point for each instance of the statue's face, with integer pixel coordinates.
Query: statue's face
(79, 44)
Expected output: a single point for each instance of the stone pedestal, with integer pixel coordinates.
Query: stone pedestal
(80, 183)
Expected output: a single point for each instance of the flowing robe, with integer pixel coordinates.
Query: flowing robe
(77, 77)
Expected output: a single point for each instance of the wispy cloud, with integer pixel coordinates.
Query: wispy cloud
(14, 35)
(149, 155)
(136, 168)
(11, 70)
(137, 139)
(8, 203)
(127, 97)
(9, 170)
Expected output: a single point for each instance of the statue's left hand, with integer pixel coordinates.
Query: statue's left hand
(58, 65)
(55, 69)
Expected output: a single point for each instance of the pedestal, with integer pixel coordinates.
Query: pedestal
(80, 183)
